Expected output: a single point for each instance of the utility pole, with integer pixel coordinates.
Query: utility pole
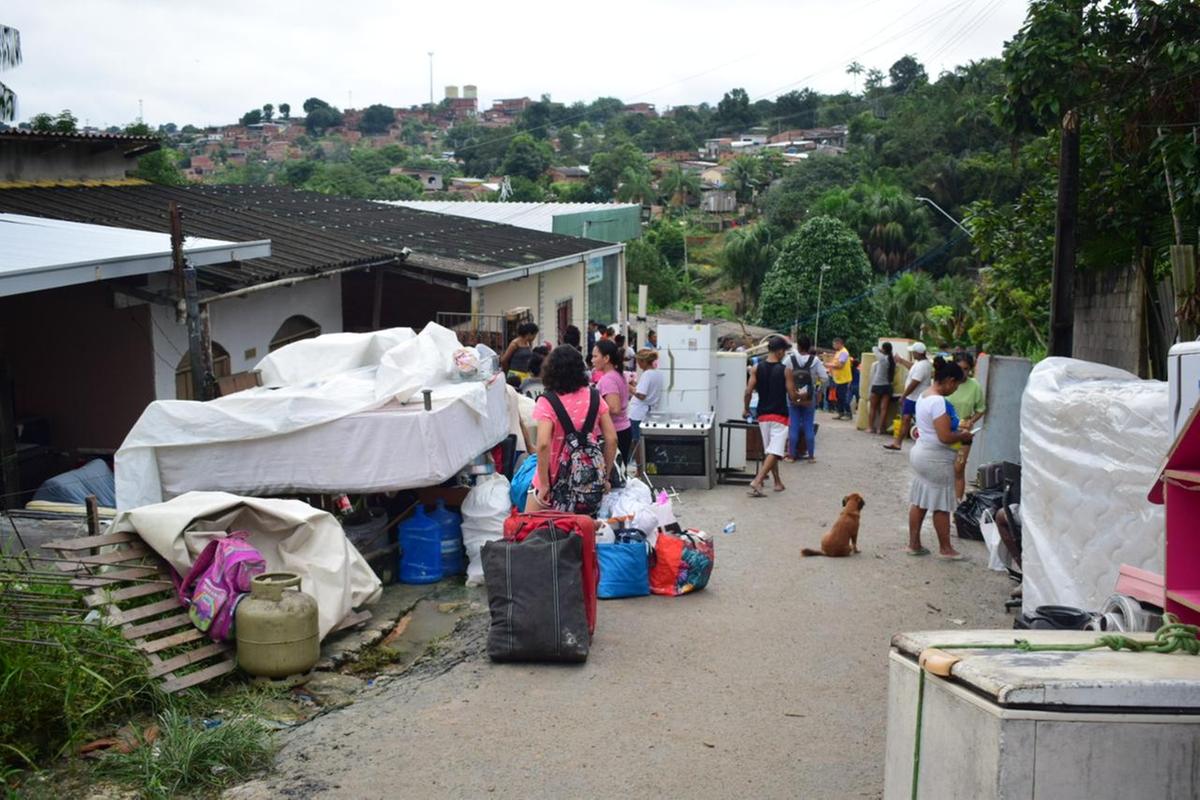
(820, 288)
(1062, 289)
(186, 274)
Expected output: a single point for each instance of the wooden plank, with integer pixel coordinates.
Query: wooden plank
(199, 676)
(149, 610)
(88, 542)
(104, 559)
(190, 657)
(93, 515)
(174, 640)
(118, 576)
(104, 597)
(158, 626)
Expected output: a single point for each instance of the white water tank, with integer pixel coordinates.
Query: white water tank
(451, 92)
(470, 92)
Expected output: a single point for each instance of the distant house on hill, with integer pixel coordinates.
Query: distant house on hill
(644, 109)
(430, 180)
(578, 174)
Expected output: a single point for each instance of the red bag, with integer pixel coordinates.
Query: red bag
(519, 525)
(683, 563)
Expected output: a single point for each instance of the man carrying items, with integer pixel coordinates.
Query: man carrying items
(807, 370)
(920, 377)
(775, 383)
(841, 370)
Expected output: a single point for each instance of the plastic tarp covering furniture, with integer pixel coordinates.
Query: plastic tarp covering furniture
(292, 537)
(73, 488)
(1092, 441)
(361, 429)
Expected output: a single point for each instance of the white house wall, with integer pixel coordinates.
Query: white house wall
(541, 294)
(244, 326)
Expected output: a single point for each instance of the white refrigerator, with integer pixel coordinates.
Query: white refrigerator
(687, 359)
(1183, 381)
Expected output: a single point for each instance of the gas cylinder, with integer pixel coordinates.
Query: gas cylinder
(276, 627)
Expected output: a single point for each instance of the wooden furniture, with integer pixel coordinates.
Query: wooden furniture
(1178, 488)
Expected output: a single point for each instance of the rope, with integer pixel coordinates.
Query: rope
(1173, 636)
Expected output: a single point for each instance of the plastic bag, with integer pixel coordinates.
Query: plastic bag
(683, 563)
(605, 533)
(624, 570)
(484, 511)
(997, 553)
(638, 491)
(522, 480)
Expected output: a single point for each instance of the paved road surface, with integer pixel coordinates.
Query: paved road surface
(769, 684)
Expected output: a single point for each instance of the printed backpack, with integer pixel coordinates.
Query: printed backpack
(803, 377)
(578, 484)
(217, 582)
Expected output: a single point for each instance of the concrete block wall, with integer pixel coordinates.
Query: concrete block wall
(1110, 319)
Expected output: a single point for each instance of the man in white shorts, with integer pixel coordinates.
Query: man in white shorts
(775, 384)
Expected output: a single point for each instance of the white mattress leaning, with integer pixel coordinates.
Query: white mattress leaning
(1092, 441)
(360, 429)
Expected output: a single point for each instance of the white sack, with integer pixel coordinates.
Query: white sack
(414, 363)
(484, 510)
(998, 557)
(292, 537)
(1092, 441)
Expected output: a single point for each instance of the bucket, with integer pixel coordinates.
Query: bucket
(421, 548)
(450, 525)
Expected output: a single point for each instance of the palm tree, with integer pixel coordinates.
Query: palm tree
(10, 56)
(679, 185)
(855, 69)
(745, 173)
(748, 254)
(906, 304)
(636, 184)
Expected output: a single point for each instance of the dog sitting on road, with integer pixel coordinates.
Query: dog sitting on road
(842, 539)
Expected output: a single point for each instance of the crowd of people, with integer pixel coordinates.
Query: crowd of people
(604, 392)
(940, 398)
(601, 394)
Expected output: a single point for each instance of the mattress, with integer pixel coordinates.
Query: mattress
(1092, 441)
(387, 449)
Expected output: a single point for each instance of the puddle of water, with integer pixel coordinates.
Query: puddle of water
(429, 621)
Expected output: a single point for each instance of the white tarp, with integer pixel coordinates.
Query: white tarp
(1092, 441)
(292, 537)
(198, 439)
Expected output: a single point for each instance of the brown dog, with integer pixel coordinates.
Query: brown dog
(842, 539)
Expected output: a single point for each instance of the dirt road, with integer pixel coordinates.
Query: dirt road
(770, 683)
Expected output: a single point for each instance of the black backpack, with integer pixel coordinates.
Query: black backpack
(802, 375)
(579, 483)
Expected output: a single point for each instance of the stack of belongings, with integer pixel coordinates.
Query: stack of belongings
(544, 576)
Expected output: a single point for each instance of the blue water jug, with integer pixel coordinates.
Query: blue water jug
(450, 522)
(420, 549)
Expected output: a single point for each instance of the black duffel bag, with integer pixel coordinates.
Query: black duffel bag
(966, 516)
(535, 595)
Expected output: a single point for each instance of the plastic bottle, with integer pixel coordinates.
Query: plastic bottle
(420, 549)
(450, 523)
(730, 527)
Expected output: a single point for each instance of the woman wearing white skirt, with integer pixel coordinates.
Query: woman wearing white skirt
(932, 461)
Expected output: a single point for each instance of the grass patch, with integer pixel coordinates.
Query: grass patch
(374, 660)
(187, 757)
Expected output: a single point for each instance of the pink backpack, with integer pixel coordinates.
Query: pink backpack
(217, 582)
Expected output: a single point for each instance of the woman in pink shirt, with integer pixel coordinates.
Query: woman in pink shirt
(607, 358)
(563, 374)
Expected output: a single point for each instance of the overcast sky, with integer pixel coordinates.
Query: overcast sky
(208, 63)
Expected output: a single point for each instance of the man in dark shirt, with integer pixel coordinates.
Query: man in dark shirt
(775, 384)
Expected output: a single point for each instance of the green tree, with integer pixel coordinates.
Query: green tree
(734, 112)
(748, 254)
(63, 122)
(268, 112)
(343, 179)
(10, 56)
(680, 186)
(906, 74)
(396, 187)
(637, 185)
(607, 168)
(252, 117)
(905, 304)
(644, 263)
(789, 292)
(527, 157)
(855, 69)
(160, 166)
(321, 119)
(787, 203)
(797, 109)
(377, 119)
(745, 175)
(666, 237)
(285, 110)
(566, 144)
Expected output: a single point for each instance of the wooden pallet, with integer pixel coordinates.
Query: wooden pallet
(131, 586)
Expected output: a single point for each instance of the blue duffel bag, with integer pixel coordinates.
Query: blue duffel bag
(624, 570)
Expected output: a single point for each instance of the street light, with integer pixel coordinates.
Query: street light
(942, 211)
(820, 286)
(683, 224)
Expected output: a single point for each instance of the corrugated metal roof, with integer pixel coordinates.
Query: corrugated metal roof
(534, 216)
(78, 135)
(41, 253)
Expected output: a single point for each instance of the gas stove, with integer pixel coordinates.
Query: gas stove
(680, 449)
(698, 423)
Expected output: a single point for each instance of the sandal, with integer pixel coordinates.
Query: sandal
(955, 557)
(755, 492)
(891, 447)
(920, 551)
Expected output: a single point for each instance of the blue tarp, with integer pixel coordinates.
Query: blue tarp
(73, 487)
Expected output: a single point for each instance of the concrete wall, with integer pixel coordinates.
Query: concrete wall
(79, 361)
(32, 161)
(1110, 319)
(244, 326)
(557, 286)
